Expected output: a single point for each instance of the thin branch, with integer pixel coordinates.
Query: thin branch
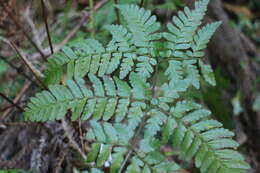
(126, 159)
(69, 133)
(35, 73)
(11, 102)
(16, 99)
(46, 25)
(57, 47)
(58, 167)
(81, 135)
(18, 25)
(20, 72)
(117, 12)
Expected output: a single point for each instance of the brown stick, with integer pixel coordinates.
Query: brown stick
(69, 134)
(16, 99)
(46, 25)
(29, 67)
(11, 102)
(57, 47)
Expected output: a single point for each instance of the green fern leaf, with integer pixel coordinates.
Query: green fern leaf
(105, 100)
(133, 123)
(207, 73)
(184, 27)
(202, 38)
(197, 136)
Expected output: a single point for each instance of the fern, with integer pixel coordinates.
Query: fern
(132, 48)
(129, 120)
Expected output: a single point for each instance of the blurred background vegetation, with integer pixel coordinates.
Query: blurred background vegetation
(235, 100)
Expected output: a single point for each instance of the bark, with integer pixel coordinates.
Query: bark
(234, 53)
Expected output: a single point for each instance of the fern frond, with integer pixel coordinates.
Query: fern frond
(207, 73)
(111, 144)
(192, 73)
(153, 162)
(144, 29)
(131, 118)
(131, 49)
(81, 57)
(107, 98)
(202, 37)
(141, 23)
(182, 75)
(197, 136)
(183, 28)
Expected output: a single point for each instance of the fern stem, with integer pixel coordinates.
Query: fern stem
(141, 3)
(134, 141)
(46, 25)
(117, 12)
(155, 79)
(92, 18)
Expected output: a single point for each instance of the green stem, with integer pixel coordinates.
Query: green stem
(141, 3)
(92, 18)
(117, 12)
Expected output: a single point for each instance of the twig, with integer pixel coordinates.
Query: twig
(11, 102)
(23, 30)
(117, 12)
(35, 73)
(61, 161)
(68, 132)
(46, 25)
(81, 135)
(16, 99)
(57, 47)
(126, 159)
(17, 70)
(92, 18)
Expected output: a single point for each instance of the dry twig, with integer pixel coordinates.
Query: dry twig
(46, 25)
(57, 47)
(11, 102)
(16, 100)
(37, 74)
(69, 134)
